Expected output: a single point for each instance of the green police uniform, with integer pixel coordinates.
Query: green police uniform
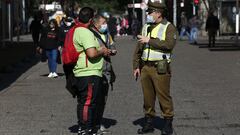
(146, 56)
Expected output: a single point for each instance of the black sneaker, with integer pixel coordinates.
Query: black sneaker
(92, 132)
(81, 131)
(167, 129)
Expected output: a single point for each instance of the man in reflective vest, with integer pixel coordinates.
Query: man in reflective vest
(151, 61)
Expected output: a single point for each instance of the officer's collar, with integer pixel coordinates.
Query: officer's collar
(163, 21)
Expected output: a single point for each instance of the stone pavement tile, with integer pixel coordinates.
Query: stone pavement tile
(204, 90)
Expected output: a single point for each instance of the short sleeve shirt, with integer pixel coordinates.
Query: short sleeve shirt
(84, 39)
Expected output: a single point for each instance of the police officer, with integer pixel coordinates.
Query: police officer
(151, 60)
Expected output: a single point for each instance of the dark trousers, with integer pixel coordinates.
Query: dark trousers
(88, 90)
(211, 38)
(102, 99)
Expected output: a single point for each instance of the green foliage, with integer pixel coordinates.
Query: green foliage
(108, 5)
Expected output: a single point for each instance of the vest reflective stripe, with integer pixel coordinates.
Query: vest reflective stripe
(151, 54)
(154, 55)
(144, 30)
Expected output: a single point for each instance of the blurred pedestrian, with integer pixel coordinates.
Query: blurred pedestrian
(67, 24)
(35, 29)
(194, 23)
(135, 27)
(124, 26)
(88, 73)
(184, 26)
(50, 43)
(112, 26)
(100, 30)
(212, 26)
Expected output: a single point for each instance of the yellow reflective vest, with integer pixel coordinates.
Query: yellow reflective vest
(150, 53)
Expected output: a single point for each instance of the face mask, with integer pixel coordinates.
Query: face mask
(103, 28)
(68, 24)
(150, 19)
(51, 25)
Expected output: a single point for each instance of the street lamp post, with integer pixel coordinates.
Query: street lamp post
(237, 21)
(175, 12)
(133, 8)
(3, 23)
(9, 21)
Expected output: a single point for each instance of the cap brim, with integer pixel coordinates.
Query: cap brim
(150, 10)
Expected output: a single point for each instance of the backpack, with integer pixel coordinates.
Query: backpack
(69, 59)
(69, 52)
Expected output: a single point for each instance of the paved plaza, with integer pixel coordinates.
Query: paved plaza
(205, 88)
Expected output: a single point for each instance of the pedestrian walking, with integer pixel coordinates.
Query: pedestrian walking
(135, 27)
(88, 73)
(194, 23)
(100, 30)
(50, 43)
(35, 29)
(151, 61)
(212, 26)
(112, 26)
(67, 24)
(124, 26)
(184, 26)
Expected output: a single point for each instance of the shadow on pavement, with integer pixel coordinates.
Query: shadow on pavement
(106, 122)
(12, 73)
(228, 46)
(109, 122)
(158, 122)
(15, 59)
(73, 129)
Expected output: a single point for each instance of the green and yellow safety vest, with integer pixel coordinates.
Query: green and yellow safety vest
(150, 53)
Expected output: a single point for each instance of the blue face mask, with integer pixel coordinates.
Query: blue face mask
(150, 19)
(103, 28)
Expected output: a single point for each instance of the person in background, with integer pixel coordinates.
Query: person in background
(135, 27)
(50, 43)
(35, 29)
(184, 26)
(100, 30)
(194, 23)
(212, 26)
(124, 26)
(67, 24)
(112, 26)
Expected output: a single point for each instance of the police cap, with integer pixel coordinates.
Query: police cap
(154, 6)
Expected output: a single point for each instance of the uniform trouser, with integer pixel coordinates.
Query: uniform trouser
(153, 85)
(88, 88)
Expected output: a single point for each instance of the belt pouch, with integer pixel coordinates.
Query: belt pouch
(162, 66)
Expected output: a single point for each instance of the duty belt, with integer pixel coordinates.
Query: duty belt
(150, 63)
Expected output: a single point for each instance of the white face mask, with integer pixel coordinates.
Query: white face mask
(150, 19)
(103, 28)
(68, 24)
